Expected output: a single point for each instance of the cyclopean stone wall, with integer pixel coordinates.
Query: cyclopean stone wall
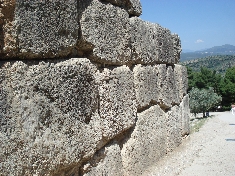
(87, 88)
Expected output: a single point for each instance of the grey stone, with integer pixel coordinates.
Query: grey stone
(8, 42)
(46, 28)
(147, 143)
(168, 95)
(132, 6)
(159, 84)
(174, 124)
(117, 100)
(184, 105)
(56, 116)
(107, 161)
(146, 85)
(50, 120)
(105, 35)
(177, 47)
(181, 80)
(151, 43)
(102, 32)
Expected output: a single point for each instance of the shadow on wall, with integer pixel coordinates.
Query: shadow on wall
(1, 39)
(230, 140)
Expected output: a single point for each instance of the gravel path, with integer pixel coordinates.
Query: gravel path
(208, 152)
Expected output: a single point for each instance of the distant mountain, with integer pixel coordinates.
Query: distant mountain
(216, 50)
(221, 49)
(219, 63)
(187, 51)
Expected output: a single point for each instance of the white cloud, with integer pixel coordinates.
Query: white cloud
(199, 41)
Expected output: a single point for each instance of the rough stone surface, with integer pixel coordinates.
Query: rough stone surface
(157, 85)
(146, 85)
(177, 47)
(147, 143)
(184, 105)
(46, 109)
(154, 134)
(105, 35)
(174, 121)
(152, 43)
(72, 107)
(46, 28)
(68, 106)
(181, 80)
(168, 95)
(107, 161)
(133, 6)
(117, 100)
(7, 29)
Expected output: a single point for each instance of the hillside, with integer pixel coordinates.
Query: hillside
(216, 50)
(218, 63)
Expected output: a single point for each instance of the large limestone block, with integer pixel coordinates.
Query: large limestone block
(49, 117)
(185, 129)
(147, 143)
(146, 85)
(107, 161)
(132, 6)
(46, 28)
(117, 100)
(181, 80)
(151, 43)
(168, 94)
(155, 85)
(170, 88)
(104, 31)
(174, 124)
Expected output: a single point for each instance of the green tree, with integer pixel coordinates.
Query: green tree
(227, 88)
(203, 100)
(204, 79)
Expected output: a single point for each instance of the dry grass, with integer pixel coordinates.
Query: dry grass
(197, 123)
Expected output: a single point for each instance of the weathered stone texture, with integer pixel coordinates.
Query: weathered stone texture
(152, 43)
(147, 143)
(174, 124)
(105, 33)
(132, 6)
(156, 85)
(46, 28)
(50, 108)
(7, 28)
(39, 29)
(181, 80)
(107, 161)
(117, 100)
(94, 29)
(69, 106)
(146, 85)
(185, 115)
(177, 47)
(168, 95)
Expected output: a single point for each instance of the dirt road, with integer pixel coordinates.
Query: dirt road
(208, 152)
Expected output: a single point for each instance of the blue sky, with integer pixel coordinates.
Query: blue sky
(200, 24)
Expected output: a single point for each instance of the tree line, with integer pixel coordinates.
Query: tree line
(208, 89)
